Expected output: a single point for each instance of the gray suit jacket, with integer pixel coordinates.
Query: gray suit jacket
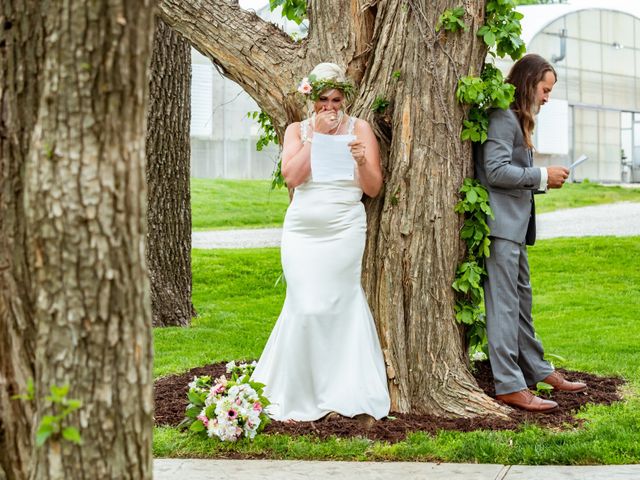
(504, 165)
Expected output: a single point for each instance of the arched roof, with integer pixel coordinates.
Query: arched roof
(537, 17)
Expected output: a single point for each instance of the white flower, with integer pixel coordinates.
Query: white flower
(478, 356)
(192, 384)
(230, 366)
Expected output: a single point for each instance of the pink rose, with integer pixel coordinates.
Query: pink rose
(203, 419)
(218, 389)
(257, 407)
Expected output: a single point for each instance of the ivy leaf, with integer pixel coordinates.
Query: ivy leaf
(489, 38)
(43, 433)
(72, 434)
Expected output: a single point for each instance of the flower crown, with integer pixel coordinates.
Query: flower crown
(313, 87)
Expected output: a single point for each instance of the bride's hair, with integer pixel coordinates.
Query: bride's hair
(329, 71)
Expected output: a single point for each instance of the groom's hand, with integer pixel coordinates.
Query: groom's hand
(557, 176)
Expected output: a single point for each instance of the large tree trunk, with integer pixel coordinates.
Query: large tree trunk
(21, 60)
(413, 244)
(168, 175)
(85, 205)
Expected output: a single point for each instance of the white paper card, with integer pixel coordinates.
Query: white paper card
(331, 158)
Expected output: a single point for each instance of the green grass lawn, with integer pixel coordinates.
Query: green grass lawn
(573, 195)
(586, 299)
(251, 203)
(236, 204)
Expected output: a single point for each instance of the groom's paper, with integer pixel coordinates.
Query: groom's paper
(331, 157)
(581, 159)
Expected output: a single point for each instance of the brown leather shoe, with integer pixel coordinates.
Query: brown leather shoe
(558, 382)
(526, 400)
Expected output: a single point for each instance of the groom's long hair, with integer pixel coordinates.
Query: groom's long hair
(525, 75)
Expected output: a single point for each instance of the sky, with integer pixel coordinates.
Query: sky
(253, 4)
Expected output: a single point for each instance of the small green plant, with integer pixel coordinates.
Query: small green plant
(501, 33)
(395, 197)
(53, 425)
(269, 134)
(379, 105)
(543, 389)
(396, 74)
(482, 93)
(277, 180)
(452, 20)
(502, 29)
(295, 10)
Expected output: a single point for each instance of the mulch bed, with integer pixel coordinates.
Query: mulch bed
(171, 400)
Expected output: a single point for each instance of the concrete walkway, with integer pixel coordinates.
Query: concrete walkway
(179, 469)
(618, 219)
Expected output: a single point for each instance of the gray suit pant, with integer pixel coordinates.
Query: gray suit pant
(515, 354)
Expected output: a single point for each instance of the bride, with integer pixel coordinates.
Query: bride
(323, 354)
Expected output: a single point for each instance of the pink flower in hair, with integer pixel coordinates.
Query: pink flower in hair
(305, 87)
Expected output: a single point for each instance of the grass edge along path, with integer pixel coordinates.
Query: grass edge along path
(225, 204)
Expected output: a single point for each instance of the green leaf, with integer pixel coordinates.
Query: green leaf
(193, 411)
(58, 393)
(489, 38)
(197, 426)
(72, 434)
(73, 404)
(194, 397)
(43, 433)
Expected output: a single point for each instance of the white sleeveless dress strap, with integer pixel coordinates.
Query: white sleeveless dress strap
(352, 125)
(304, 130)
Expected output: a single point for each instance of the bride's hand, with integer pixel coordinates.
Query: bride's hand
(358, 152)
(326, 121)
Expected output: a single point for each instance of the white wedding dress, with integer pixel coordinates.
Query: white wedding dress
(323, 354)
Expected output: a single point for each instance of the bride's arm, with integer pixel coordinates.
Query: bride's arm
(296, 156)
(366, 152)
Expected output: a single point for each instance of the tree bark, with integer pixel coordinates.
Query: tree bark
(413, 245)
(413, 242)
(21, 60)
(168, 174)
(85, 204)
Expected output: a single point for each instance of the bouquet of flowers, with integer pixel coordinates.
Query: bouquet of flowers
(227, 408)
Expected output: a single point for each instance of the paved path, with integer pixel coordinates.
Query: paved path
(178, 469)
(620, 219)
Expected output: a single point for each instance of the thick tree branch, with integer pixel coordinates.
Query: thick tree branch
(348, 44)
(256, 54)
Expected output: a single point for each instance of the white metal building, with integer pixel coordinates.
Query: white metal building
(223, 138)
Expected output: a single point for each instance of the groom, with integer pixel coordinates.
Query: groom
(504, 165)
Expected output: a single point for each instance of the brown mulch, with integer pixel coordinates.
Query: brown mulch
(171, 400)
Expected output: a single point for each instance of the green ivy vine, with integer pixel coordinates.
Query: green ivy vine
(474, 205)
(501, 33)
(267, 132)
